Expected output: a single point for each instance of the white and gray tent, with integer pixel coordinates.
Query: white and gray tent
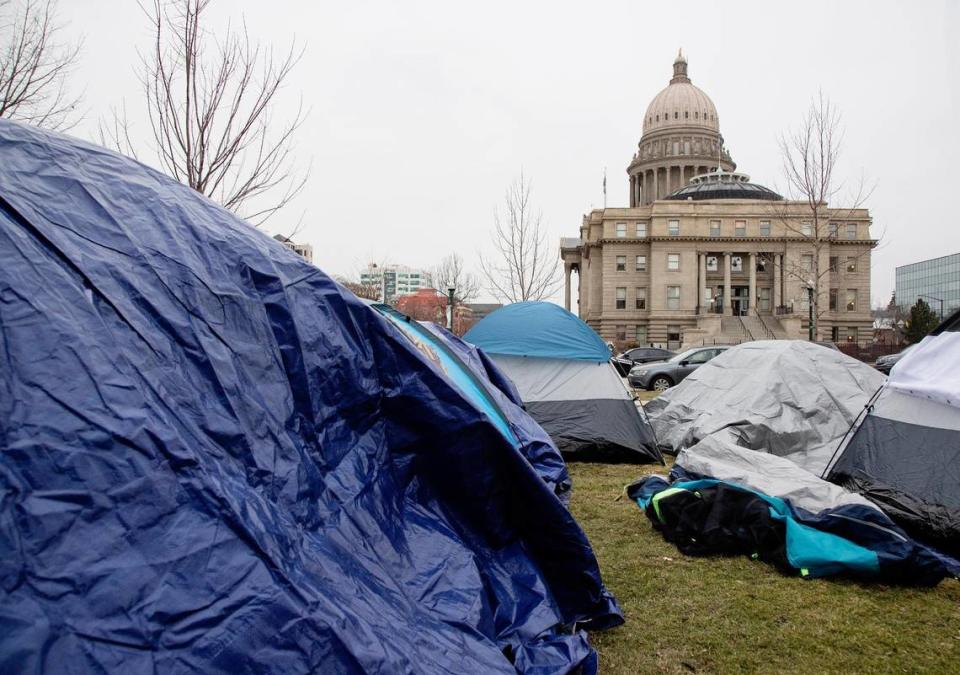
(562, 371)
(904, 453)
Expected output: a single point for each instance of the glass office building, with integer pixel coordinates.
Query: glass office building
(933, 280)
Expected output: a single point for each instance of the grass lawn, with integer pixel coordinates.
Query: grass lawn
(733, 614)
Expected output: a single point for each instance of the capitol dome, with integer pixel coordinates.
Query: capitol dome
(681, 139)
(681, 104)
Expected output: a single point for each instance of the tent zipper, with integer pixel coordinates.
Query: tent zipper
(873, 525)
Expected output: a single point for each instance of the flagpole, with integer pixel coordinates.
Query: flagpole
(604, 187)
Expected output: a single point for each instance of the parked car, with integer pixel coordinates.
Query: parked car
(632, 357)
(828, 345)
(663, 375)
(886, 363)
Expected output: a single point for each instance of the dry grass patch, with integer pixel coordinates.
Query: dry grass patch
(733, 614)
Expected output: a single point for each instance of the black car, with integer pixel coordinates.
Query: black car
(624, 362)
(886, 363)
(662, 376)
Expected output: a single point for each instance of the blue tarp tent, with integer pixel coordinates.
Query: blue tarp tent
(480, 380)
(562, 370)
(215, 459)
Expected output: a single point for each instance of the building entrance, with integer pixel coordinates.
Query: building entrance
(740, 302)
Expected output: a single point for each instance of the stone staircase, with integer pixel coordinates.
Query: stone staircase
(765, 327)
(732, 330)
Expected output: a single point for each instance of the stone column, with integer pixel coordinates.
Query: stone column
(777, 275)
(727, 292)
(656, 184)
(752, 300)
(566, 286)
(702, 261)
(579, 290)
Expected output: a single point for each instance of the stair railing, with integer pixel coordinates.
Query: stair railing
(766, 329)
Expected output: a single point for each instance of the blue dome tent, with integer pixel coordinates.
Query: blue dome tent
(562, 370)
(215, 459)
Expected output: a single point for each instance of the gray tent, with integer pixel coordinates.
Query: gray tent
(759, 424)
(789, 398)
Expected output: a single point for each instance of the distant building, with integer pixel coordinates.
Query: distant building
(305, 251)
(393, 281)
(429, 304)
(933, 280)
(704, 255)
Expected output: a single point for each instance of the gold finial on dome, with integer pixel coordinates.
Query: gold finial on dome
(680, 69)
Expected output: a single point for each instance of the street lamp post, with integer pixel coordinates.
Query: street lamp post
(810, 310)
(930, 297)
(450, 292)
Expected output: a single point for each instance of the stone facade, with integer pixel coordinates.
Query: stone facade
(674, 270)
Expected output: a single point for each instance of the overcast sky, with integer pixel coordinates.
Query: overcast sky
(421, 113)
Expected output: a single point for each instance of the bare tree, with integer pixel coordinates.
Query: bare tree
(450, 273)
(524, 265)
(210, 102)
(35, 65)
(361, 290)
(810, 155)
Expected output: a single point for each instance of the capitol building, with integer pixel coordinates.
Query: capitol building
(702, 254)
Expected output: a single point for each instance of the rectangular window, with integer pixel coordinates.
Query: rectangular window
(851, 230)
(852, 334)
(641, 298)
(641, 263)
(736, 263)
(740, 228)
(851, 299)
(641, 335)
(806, 262)
(676, 147)
(673, 262)
(673, 228)
(834, 299)
(641, 230)
(761, 263)
(673, 333)
(621, 263)
(621, 230)
(764, 228)
(851, 263)
(713, 263)
(714, 228)
(806, 229)
(673, 297)
(835, 334)
(834, 264)
(834, 229)
(764, 299)
(622, 298)
(621, 333)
